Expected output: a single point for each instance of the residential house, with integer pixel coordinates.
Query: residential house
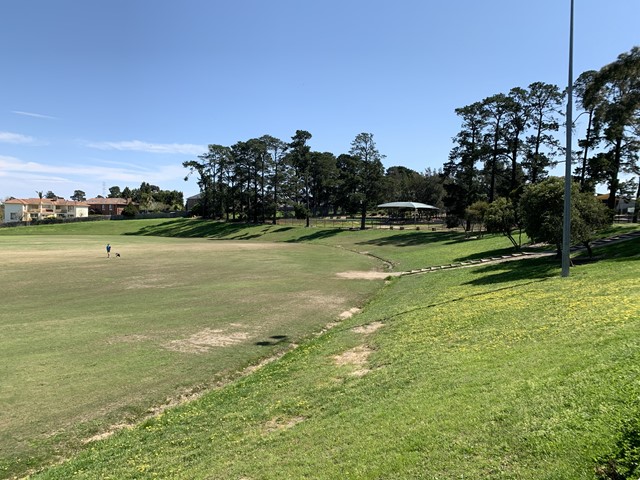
(108, 206)
(193, 201)
(624, 205)
(30, 209)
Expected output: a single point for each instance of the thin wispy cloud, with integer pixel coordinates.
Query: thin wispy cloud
(35, 115)
(139, 146)
(11, 166)
(10, 137)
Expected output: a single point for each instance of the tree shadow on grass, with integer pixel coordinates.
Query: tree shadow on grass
(191, 228)
(317, 235)
(516, 270)
(412, 239)
(498, 252)
(628, 250)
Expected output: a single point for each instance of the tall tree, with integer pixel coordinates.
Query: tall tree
(544, 102)
(347, 196)
(323, 181)
(277, 150)
(79, 196)
(588, 106)
(497, 108)
(301, 160)
(114, 192)
(614, 93)
(371, 172)
(463, 183)
(516, 122)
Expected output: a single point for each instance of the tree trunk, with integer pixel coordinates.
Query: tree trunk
(363, 219)
(613, 187)
(637, 205)
(275, 195)
(583, 173)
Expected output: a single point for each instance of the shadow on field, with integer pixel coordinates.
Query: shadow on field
(319, 235)
(516, 270)
(273, 340)
(628, 250)
(191, 228)
(411, 239)
(498, 252)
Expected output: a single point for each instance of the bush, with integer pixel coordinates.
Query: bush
(300, 211)
(130, 211)
(452, 221)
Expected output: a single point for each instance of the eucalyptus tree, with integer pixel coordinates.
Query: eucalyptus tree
(323, 181)
(277, 150)
(516, 122)
(301, 160)
(401, 184)
(614, 93)
(78, 196)
(210, 168)
(463, 183)
(588, 105)
(249, 163)
(370, 172)
(497, 108)
(544, 101)
(114, 192)
(347, 196)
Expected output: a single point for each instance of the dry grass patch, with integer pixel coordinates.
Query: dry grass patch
(369, 328)
(205, 340)
(279, 423)
(349, 313)
(357, 357)
(360, 275)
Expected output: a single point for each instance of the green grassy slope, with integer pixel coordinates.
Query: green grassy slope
(498, 371)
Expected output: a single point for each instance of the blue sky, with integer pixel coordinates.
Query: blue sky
(95, 94)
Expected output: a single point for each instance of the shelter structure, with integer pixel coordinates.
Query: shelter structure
(400, 209)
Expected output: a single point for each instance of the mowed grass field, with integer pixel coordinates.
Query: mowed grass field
(497, 371)
(89, 342)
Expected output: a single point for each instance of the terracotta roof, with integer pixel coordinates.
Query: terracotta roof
(107, 201)
(45, 201)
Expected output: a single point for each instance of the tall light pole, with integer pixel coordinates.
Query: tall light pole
(566, 224)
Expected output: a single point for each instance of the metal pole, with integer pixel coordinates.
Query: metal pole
(566, 230)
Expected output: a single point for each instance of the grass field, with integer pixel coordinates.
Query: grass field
(498, 371)
(88, 342)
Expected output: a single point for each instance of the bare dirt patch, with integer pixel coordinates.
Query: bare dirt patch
(279, 424)
(205, 340)
(360, 275)
(349, 313)
(356, 357)
(108, 433)
(368, 329)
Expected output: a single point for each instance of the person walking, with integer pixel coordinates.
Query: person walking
(108, 250)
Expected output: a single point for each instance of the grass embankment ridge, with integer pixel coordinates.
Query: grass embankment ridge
(497, 371)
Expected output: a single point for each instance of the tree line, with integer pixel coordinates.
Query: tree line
(260, 178)
(508, 141)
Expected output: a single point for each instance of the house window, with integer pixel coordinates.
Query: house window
(14, 216)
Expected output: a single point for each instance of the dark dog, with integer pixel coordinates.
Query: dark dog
(117, 254)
